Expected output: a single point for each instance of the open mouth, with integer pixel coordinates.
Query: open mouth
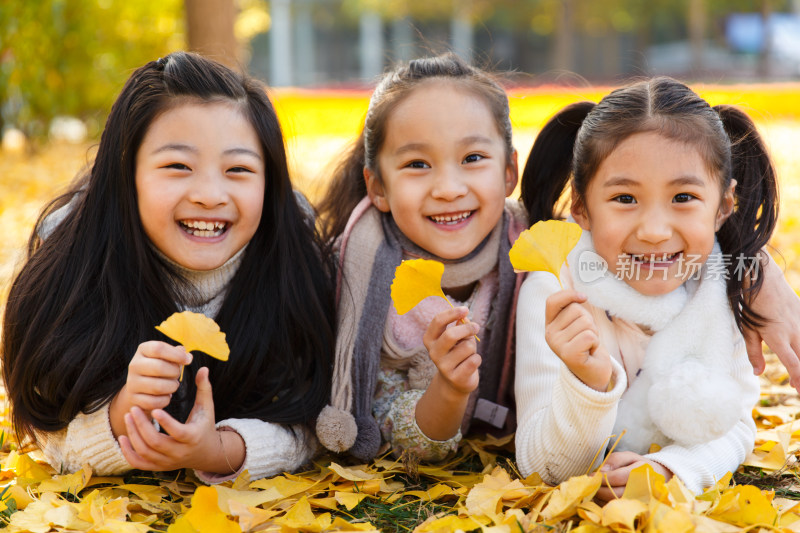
(202, 228)
(654, 258)
(451, 219)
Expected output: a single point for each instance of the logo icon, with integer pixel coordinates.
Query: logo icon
(591, 266)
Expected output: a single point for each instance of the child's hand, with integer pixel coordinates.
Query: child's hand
(571, 333)
(453, 350)
(152, 379)
(617, 470)
(195, 444)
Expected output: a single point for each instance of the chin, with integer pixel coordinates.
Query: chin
(656, 289)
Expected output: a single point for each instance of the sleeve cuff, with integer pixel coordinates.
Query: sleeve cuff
(270, 448)
(406, 434)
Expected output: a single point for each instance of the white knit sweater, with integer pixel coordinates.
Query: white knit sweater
(270, 448)
(562, 423)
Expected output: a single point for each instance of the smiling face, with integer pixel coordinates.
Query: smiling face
(653, 209)
(444, 173)
(200, 183)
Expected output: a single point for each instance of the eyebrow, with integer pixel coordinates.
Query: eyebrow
(471, 139)
(187, 148)
(627, 182)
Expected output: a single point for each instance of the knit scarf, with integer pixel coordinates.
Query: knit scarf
(685, 392)
(371, 248)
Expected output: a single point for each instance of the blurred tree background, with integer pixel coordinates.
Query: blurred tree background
(70, 57)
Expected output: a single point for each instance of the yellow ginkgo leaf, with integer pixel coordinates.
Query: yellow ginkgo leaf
(544, 246)
(196, 331)
(415, 280)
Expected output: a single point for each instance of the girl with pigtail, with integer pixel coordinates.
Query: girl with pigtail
(677, 200)
(428, 178)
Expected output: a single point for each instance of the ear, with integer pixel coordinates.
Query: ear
(578, 211)
(375, 191)
(726, 205)
(512, 173)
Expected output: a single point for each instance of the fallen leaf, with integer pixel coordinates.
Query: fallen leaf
(745, 505)
(544, 246)
(71, 483)
(205, 515)
(195, 331)
(569, 494)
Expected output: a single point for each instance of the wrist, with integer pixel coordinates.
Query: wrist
(445, 392)
(120, 404)
(226, 455)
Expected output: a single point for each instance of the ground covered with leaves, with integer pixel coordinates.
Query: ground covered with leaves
(477, 490)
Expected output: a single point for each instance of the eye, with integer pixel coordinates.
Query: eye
(240, 169)
(418, 164)
(177, 166)
(624, 199)
(683, 197)
(473, 158)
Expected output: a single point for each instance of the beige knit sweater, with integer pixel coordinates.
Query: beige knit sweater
(270, 448)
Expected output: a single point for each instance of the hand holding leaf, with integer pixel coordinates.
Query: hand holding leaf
(196, 331)
(415, 280)
(544, 246)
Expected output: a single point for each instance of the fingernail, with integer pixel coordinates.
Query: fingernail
(605, 468)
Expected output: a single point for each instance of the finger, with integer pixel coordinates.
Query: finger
(152, 367)
(166, 352)
(752, 341)
(146, 434)
(204, 399)
(440, 322)
(606, 493)
(617, 460)
(439, 347)
(580, 347)
(175, 429)
(559, 301)
(788, 356)
(619, 477)
(148, 402)
(155, 386)
(466, 375)
(581, 326)
(139, 443)
(133, 458)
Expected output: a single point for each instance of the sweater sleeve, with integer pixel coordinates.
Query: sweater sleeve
(561, 422)
(702, 465)
(270, 448)
(88, 439)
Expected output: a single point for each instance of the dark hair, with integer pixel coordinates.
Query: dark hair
(95, 288)
(347, 186)
(573, 144)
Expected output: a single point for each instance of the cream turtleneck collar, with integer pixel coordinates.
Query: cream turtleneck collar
(208, 287)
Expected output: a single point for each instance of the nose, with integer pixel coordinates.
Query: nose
(448, 184)
(208, 189)
(654, 226)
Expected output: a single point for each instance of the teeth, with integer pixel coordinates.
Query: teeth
(202, 228)
(652, 258)
(451, 219)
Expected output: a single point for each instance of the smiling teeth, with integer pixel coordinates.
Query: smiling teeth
(450, 219)
(201, 228)
(652, 258)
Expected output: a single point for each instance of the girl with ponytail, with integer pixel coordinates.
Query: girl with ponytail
(676, 200)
